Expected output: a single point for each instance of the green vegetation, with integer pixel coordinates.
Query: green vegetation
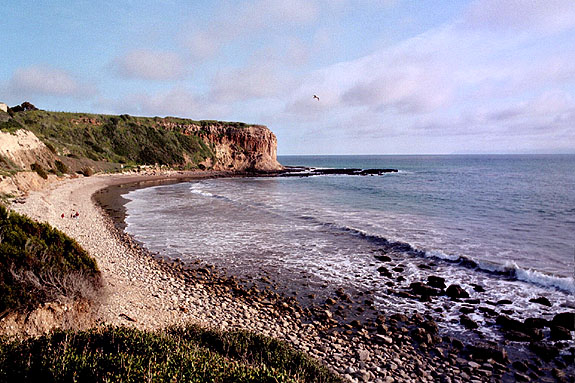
(41, 264)
(178, 354)
(61, 167)
(119, 139)
(36, 167)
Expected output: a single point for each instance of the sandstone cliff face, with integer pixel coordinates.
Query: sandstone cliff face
(238, 148)
(23, 149)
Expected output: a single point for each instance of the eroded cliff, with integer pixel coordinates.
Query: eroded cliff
(240, 148)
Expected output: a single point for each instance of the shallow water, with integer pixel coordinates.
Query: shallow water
(513, 216)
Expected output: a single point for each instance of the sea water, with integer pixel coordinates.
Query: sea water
(506, 223)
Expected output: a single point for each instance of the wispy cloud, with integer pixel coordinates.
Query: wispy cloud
(47, 81)
(149, 64)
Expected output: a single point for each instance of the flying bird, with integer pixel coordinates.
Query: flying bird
(314, 96)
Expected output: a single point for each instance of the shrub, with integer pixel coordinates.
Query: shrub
(61, 167)
(39, 169)
(87, 171)
(188, 354)
(40, 264)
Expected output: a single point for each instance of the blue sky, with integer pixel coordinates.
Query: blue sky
(393, 76)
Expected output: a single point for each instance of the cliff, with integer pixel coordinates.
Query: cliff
(170, 141)
(21, 149)
(59, 142)
(252, 147)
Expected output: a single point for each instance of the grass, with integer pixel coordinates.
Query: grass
(40, 264)
(119, 139)
(177, 354)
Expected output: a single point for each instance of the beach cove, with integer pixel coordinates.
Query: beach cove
(150, 294)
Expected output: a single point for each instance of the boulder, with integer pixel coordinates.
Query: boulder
(560, 333)
(383, 258)
(384, 271)
(456, 292)
(541, 300)
(435, 281)
(423, 290)
(566, 320)
(545, 351)
(484, 352)
(468, 322)
(536, 322)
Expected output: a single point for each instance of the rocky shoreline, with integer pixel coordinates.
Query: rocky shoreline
(149, 292)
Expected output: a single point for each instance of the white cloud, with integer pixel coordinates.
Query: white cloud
(255, 81)
(245, 19)
(177, 101)
(47, 81)
(150, 65)
(540, 15)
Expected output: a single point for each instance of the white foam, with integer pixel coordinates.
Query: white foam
(542, 279)
(196, 190)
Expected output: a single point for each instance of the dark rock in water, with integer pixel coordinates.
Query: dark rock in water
(518, 365)
(566, 320)
(518, 331)
(487, 310)
(398, 269)
(536, 322)
(472, 301)
(423, 266)
(468, 322)
(519, 336)
(545, 351)
(457, 343)
(455, 292)
(478, 288)
(399, 317)
(417, 318)
(435, 281)
(503, 302)
(423, 290)
(466, 262)
(376, 171)
(508, 323)
(466, 309)
(430, 326)
(383, 258)
(541, 300)
(560, 333)
(484, 352)
(384, 271)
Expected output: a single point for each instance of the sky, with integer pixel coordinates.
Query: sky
(392, 76)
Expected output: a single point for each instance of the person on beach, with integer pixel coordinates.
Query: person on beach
(62, 215)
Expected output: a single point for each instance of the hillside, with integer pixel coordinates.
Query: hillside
(126, 140)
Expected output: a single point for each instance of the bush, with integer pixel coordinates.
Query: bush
(61, 167)
(39, 169)
(187, 354)
(87, 171)
(40, 264)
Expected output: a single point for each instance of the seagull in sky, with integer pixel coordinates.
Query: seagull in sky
(314, 96)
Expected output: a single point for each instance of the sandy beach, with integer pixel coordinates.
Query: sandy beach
(143, 292)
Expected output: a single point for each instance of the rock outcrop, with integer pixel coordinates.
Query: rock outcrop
(238, 148)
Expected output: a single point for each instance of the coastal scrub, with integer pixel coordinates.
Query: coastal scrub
(40, 264)
(177, 354)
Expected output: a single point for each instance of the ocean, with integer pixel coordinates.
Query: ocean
(503, 223)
